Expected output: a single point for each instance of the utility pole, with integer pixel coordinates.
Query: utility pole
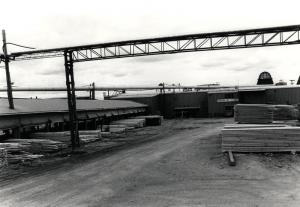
(8, 81)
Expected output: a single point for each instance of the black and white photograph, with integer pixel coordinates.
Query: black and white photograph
(138, 103)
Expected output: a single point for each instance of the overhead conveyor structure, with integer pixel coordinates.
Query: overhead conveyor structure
(251, 38)
(174, 44)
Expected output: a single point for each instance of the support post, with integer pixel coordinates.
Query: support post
(71, 99)
(8, 81)
(93, 91)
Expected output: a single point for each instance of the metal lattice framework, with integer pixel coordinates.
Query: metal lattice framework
(176, 44)
(264, 37)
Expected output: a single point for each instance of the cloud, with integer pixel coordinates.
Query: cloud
(119, 75)
(248, 66)
(155, 58)
(208, 65)
(57, 71)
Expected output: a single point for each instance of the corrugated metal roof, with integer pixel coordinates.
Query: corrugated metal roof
(26, 106)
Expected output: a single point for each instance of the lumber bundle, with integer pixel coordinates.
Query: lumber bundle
(16, 153)
(261, 139)
(39, 145)
(152, 120)
(246, 126)
(285, 112)
(136, 123)
(117, 128)
(253, 113)
(89, 138)
(56, 136)
(3, 157)
(15, 147)
(22, 158)
(65, 135)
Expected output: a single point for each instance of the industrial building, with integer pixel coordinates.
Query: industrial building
(214, 102)
(53, 113)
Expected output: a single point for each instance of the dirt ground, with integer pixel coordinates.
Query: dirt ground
(180, 164)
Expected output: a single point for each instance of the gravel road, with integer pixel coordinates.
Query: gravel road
(182, 168)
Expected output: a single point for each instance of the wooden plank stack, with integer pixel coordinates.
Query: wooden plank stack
(136, 123)
(3, 157)
(65, 135)
(17, 152)
(261, 139)
(56, 136)
(253, 113)
(285, 112)
(152, 120)
(88, 139)
(15, 147)
(39, 145)
(117, 128)
(256, 131)
(247, 126)
(22, 157)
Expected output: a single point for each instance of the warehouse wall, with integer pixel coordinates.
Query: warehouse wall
(283, 95)
(208, 102)
(253, 97)
(151, 101)
(216, 108)
(170, 101)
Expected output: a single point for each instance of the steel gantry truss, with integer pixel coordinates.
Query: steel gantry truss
(175, 44)
(264, 37)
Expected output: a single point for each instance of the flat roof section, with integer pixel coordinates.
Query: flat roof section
(37, 106)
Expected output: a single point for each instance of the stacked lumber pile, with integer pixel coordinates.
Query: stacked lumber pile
(56, 136)
(22, 157)
(247, 126)
(117, 128)
(17, 152)
(253, 113)
(3, 157)
(15, 147)
(65, 135)
(39, 145)
(135, 122)
(88, 139)
(261, 139)
(152, 120)
(285, 112)
(257, 132)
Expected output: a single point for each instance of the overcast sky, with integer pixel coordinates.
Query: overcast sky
(57, 23)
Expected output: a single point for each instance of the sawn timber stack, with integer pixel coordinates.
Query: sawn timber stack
(253, 113)
(261, 139)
